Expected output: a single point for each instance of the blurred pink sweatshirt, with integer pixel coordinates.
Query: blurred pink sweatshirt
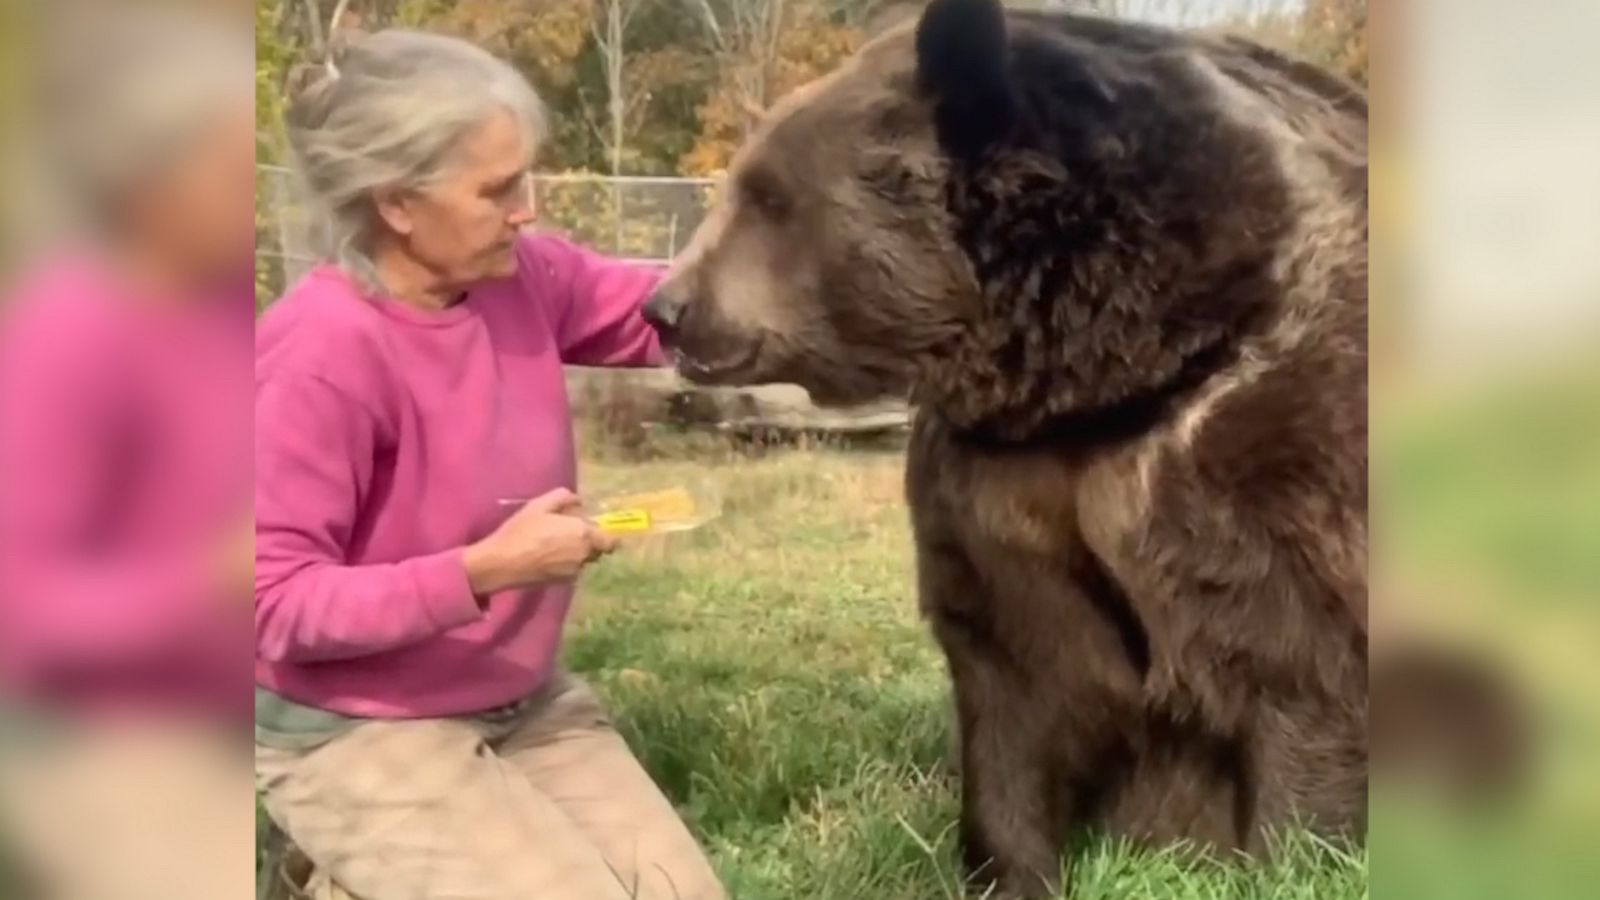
(124, 460)
(385, 436)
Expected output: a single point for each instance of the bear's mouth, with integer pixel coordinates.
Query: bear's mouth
(732, 370)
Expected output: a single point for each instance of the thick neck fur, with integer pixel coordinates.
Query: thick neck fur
(1125, 240)
(1097, 308)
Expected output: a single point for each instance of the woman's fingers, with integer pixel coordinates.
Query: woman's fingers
(601, 542)
(559, 501)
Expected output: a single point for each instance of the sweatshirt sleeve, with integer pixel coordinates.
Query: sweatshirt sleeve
(315, 447)
(69, 596)
(598, 300)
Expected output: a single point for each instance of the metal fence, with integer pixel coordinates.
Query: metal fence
(633, 217)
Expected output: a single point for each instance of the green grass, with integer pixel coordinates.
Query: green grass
(772, 673)
(1489, 499)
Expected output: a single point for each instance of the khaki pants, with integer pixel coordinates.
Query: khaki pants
(132, 811)
(550, 805)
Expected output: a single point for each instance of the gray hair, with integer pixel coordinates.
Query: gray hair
(385, 111)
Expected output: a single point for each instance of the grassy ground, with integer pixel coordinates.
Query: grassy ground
(772, 673)
(1489, 500)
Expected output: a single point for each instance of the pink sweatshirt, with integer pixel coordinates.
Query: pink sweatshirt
(124, 463)
(385, 436)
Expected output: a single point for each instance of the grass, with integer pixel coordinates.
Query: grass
(1491, 505)
(772, 673)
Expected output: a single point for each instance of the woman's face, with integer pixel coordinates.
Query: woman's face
(198, 210)
(463, 228)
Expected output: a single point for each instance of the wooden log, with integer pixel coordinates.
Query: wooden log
(661, 396)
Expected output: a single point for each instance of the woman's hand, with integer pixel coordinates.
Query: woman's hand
(544, 541)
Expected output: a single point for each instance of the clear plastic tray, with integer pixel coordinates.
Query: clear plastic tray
(625, 511)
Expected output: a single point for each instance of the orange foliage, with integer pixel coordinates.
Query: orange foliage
(1331, 33)
(1334, 33)
(809, 45)
(542, 36)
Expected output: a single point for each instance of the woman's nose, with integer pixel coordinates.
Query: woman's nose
(523, 215)
(527, 211)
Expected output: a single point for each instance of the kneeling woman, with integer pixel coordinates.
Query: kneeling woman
(415, 737)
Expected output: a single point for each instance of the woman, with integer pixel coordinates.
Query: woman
(415, 737)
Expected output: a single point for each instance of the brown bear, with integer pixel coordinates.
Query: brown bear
(1121, 272)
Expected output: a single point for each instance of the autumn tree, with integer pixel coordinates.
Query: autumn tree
(278, 40)
(610, 33)
(1334, 33)
(1330, 33)
(763, 49)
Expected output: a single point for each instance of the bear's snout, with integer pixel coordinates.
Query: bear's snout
(663, 311)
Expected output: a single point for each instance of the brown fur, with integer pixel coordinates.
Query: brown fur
(1123, 273)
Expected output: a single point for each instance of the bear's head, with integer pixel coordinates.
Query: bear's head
(1017, 217)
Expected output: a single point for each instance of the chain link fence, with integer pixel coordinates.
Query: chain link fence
(632, 217)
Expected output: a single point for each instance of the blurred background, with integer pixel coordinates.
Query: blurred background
(1486, 447)
(126, 320)
(1485, 450)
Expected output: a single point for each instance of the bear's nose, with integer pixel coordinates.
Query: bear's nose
(663, 311)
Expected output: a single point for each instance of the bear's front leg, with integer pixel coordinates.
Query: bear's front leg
(1010, 830)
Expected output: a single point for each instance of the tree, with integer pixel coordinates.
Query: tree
(1330, 33)
(609, 30)
(277, 49)
(763, 50)
(745, 38)
(1334, 33)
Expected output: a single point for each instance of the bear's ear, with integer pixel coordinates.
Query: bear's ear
(962, 63)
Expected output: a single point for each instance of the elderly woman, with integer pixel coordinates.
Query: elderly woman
(415, 735)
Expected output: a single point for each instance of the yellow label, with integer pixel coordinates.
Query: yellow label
(623, 521)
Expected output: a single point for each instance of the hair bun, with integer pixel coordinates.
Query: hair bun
(308, 86)
(306, 78)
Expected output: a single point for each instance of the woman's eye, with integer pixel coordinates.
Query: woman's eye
(504, 189)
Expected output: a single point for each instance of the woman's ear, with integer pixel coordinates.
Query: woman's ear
(394, 209)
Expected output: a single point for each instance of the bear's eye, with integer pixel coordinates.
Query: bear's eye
(762, 191)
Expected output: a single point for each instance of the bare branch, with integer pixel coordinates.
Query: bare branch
(630, 8)
(319, 44)
(597, 34)
(712, 25)
(338, 15)
(600, 130)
